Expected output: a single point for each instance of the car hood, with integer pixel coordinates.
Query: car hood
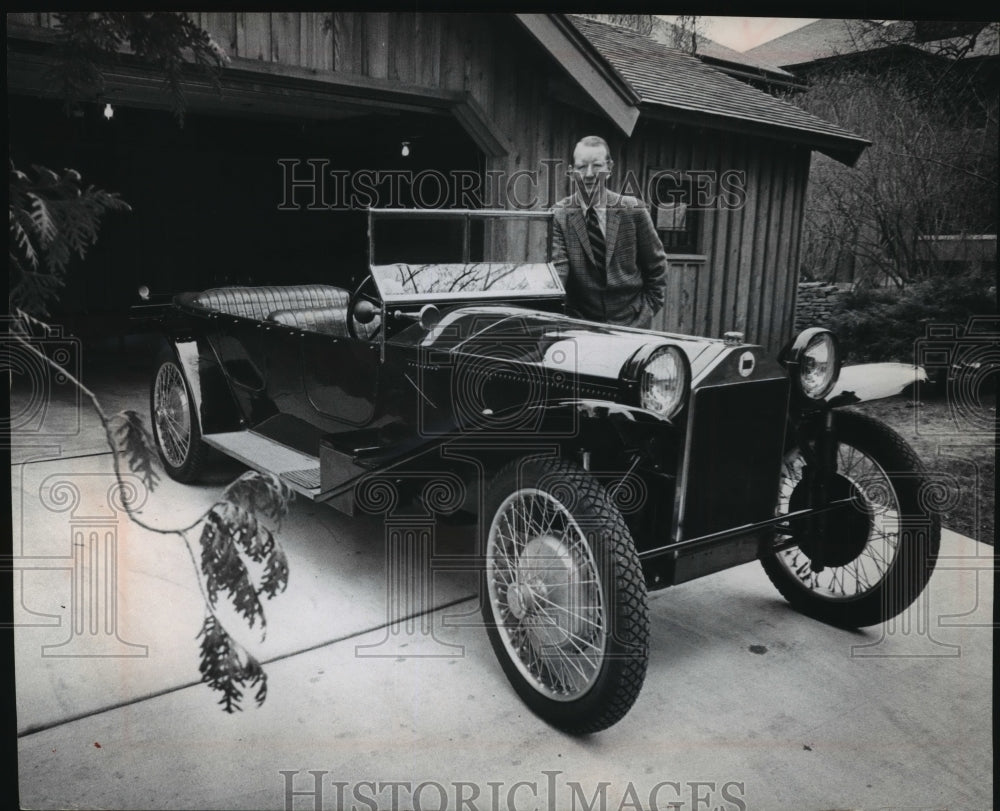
(556, 342)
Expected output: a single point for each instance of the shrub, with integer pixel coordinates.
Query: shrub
(882, 324)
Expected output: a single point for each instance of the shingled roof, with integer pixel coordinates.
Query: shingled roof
(728, 60)
(827, 39)
(684, 88)
(817, 40)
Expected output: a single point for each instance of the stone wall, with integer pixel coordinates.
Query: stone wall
(816, 302)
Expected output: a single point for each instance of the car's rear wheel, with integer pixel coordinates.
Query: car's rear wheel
(175, 423)
(565, 606)
(878, 551)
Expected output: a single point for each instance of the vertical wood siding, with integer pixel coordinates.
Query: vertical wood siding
(746, 278)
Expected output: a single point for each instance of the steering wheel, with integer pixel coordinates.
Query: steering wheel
(363, 308)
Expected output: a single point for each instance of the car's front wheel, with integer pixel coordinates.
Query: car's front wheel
(175, 423)
(566, 607)
(879, 550)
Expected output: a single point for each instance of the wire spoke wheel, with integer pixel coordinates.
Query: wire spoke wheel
(878, 549)
(565, 601)
(546, 593)
(175, 427)
(172, 414)
(878, 506)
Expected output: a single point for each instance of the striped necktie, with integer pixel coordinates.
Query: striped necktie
(596, 237)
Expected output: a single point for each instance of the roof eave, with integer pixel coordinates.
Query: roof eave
(783, 79)
(845, 149)
(602, 83)
(870, 53)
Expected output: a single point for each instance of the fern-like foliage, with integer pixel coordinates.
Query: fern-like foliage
(52, 219)
(275, 578)
(228, 667)
(235, 541)
(266, 495)
(240, 555)
(136, 443)
(233, 535)
(167, 40)
(262, 493)
(226, 526)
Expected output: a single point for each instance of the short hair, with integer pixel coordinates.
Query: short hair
(594, 140)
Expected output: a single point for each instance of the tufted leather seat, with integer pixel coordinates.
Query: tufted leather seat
(259, 302)
(326, 320)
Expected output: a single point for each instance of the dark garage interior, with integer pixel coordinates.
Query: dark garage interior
(206, 196)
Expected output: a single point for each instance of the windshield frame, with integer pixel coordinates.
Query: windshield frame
(544, 271)
(552, 289)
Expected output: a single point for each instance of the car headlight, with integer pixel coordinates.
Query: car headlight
(662, 379)
(814, 361)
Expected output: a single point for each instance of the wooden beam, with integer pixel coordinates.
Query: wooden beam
(368, 87)
(250, 86)
(254, 90)
(33, 41)
(609, 92)
(481, 128)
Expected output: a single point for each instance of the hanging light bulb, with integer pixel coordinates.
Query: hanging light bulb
(405, 151)
(109, 111)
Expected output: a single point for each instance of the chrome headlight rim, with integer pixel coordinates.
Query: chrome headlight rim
(638, 366)
(798, 354)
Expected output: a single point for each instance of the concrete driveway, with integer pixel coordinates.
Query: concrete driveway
(380, 702)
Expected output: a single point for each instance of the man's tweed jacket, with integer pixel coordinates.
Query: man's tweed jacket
(636, 262)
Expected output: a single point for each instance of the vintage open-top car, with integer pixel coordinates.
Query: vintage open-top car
(601, 461)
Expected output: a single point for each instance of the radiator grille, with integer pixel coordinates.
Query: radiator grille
(735, 455)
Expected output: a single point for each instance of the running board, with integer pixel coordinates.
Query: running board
(298, 470)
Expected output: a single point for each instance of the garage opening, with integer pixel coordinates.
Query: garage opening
(211, 202)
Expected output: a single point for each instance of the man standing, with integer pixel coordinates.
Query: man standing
(604, 246)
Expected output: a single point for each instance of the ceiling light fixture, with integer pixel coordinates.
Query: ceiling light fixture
(405, 151)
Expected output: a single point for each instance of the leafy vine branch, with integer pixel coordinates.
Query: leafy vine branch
(233, 538)
(53, 218)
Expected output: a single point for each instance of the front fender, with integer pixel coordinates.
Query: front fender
(873, 381)
(214, 403)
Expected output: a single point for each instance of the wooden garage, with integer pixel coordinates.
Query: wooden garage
(501, 96)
